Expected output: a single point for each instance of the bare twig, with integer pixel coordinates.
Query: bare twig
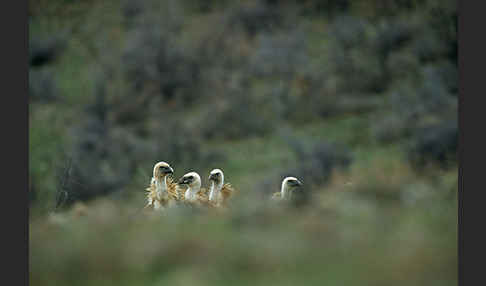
(62, 193)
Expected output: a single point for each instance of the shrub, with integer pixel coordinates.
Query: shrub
(131, 11)
(43, 51)
(253, 17)
(42, 85)
(428, 47)
(328, 8)
(392, 128)
(355, 61)
(436, 144)
(241, 117)
(279, 54)
(155, 64)
(392, 37)
(348, 31)
(434, 94)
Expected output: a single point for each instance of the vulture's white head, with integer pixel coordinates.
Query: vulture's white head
(288, 184)
(291, 182)
(216, 176)
(192, 179)
(162, 169)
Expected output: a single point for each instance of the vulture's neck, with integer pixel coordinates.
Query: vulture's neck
(192, 191)
(285, 191)
(215, 189)
(161, 187)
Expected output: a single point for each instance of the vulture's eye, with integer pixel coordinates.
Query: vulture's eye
(190, 177)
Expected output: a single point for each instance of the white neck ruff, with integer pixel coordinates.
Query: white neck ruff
(215, 190)
(191, 191)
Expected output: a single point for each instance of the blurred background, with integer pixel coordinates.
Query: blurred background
(358, 99)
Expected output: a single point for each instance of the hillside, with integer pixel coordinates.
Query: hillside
(358, 99)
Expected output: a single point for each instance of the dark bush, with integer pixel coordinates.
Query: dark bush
(242, 117)
(181, 145)
(102, 163)
(448, 73)
(348, 31)
(355, 61)
(318, 162)
(42, 85)
(393, 36)
(442, 18)
(413, 104)
(131, 10)
(428, 46)
(392, 128)
(359, 71)
(280, 54)
(104, 155)
(315, 161)
(433, 92)
(405, 112)
(155, 66)
(327, 8)
(436, 144)
(254, 17)
(44, 50)
(403, 66)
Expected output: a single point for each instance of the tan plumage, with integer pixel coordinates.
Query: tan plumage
(220, 192)
(276, 196)
(200, 201)
(194, 195)
(226, 193)
(172, 189)
(162, 191)
(202, 197)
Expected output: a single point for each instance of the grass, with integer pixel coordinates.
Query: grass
(345, 238)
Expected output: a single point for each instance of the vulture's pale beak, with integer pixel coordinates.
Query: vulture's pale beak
(182, 181)
(213, 177)
(170, 171)
(296, 183)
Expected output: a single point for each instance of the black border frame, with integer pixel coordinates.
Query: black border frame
(15, 120)
(471, 82)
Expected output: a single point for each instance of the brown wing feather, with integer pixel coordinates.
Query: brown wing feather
(152, 196)
(227, 192)
(173, 190)
(276, 196)
(202, 196)
(202, 199)
(182, 192)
